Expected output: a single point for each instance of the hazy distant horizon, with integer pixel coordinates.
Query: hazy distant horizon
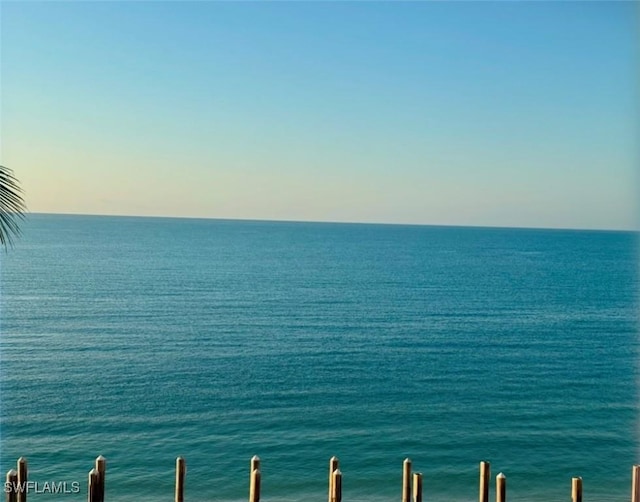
(460, 225)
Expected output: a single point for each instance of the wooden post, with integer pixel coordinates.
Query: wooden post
(181, 471)
(635, 483)
(576, 489)
(12, 486)
(94, 481)
(101, 469)
(501, 488)
(22, 480)
(336, 485)
(254, 464)
(406, 480)
(417, 487)
(333, 466)
(485, 478)
(254, 486)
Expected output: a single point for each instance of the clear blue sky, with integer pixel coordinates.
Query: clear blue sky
(466, 113)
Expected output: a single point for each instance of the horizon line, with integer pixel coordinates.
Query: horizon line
(333, 222)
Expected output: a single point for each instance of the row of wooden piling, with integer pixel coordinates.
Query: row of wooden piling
(411, 482)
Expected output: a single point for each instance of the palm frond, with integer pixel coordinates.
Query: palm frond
(12, 206)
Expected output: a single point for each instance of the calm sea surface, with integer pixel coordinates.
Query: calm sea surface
(147, 338)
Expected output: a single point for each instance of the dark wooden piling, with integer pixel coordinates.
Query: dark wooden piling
(181, 472)
(576, 489)
(334, 464)
(501, 488)
(635, 483)
(417, 487)
(22, 480)
(94, 481)
(254, 486)
(11, 486)
(485, 480)
(254, 479)
(406, 480)
(101, 468)
(336, 486)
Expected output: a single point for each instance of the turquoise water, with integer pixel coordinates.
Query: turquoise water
(146, 338)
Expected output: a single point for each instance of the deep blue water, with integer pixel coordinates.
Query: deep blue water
(147, 338)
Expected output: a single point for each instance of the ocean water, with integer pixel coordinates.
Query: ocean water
(142, 339)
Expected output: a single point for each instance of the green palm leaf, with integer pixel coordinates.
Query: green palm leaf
(12, 206)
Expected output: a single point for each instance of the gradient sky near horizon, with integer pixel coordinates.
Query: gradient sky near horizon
(461, 113)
